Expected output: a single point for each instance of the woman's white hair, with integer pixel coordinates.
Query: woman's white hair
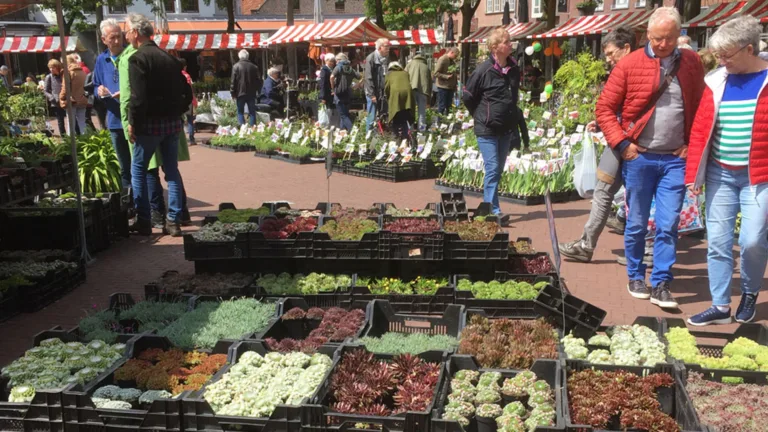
(381, 42)
(666, 13)
(243, 55)
(329, 57)
(341, 57)
(107, 24)
(273, 70)
(736, 33)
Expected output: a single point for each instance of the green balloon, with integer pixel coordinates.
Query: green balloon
(548, 88)
(537, 46)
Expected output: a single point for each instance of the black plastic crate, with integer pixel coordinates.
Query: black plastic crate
(411, 246)
(515, 264)
(453, 204)
(570, 313)
(364, 249)
(674, 400)
(752, 331)
(654, 323)
(501, 308)
(384, 319)
(321, 418)
(280, 329)
(198, 415)
(155, 292)
(262, 247)
(494, 249)
(436, 303)
(547, 370)
(51, 288)
(196, 250)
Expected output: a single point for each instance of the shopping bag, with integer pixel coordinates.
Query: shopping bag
(585, 167)
(323, 116)
(690, 216)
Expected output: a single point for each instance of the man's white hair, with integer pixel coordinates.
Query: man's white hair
(736, 33)
(273, 70)
(684, 40)
(243, 55)
(666, 13)
(329, 56)
(107, 24)
(381, 42)
(141, 24)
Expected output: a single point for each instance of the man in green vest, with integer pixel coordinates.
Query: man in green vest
(154, 187)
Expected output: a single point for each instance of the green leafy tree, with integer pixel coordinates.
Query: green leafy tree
(406, 14)
(76, 11)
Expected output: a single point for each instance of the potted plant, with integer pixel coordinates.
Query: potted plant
(587, 7)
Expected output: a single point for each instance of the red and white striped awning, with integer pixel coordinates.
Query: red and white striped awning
(516, 31)
(597, 24)
(333, 32)
(194, 42)
(410, 37)
(756, 8)
(716, 14)
(36, 44)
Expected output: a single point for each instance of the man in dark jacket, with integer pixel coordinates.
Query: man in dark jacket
(160, 95)
(446, 80)
(272, 92)
(341, 81)
(375, 69)
(245, 85)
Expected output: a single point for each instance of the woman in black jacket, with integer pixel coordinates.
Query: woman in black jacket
(324, 89)
(491, 97)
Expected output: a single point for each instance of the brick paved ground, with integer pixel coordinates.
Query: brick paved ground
(214, 176)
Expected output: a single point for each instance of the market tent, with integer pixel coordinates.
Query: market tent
(332, 32)
(516, 31)
(37, 44)
(194, 42)
(597, 24)
(410, 37)
(715, 15)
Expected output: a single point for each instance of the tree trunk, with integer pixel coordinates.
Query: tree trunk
(551, 13)
(99, 19)
(230, 16)
(691, 8)
(291, 49)
(467, 13)
(380, 14)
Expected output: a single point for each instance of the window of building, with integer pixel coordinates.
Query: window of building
(600, 6)
(190, 6)
(621, 4)
(497, 6)
(640, 4)
(118, 8)
(339, 5)
(170, 6)
(296, 5)
(537, 13)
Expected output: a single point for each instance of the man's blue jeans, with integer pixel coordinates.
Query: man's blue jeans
(421, 104)
(444, 100)
(647, 177)
(143, 149)
(123, 152)
(242, 101)
(494, 150)
(155, 191)
(371, 118)
(345, 119)
(727, 193)
(191, 127)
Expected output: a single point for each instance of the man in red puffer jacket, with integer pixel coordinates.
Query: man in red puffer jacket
(653, 140)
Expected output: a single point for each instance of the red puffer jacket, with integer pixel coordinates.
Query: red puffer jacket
(703, 129)
(631, 86)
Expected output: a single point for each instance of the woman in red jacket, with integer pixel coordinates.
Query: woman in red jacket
(728, 156)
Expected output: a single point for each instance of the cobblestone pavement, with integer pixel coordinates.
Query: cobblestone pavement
(215, 176)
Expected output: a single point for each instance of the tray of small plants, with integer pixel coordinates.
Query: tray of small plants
(125, 318)
(417, 237)
(394, 392)
(391, 333)
(625, 398)
(726, 402)
(742, 353)
(348, 234)
(155, 374)
(480, 238)
(288, 237)
(219, 240)
(639, 344)
(258, 390)
(477, 399)
(425, 294)
(36, 284)
(57, 361)
(176, 286)
(508, 296)
(538, 263)
(317, 289)
(306, 329)
(228, 213)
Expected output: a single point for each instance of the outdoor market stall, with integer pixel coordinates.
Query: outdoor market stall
(516, 31)
(30, 54)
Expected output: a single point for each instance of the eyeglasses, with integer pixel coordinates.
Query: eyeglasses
(669, 39)
(721, 57)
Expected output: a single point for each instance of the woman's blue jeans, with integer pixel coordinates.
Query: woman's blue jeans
(494, 150)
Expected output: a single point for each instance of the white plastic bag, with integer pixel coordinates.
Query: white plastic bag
(585, 167)
(323, 116)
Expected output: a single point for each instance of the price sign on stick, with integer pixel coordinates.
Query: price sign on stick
(552, 231)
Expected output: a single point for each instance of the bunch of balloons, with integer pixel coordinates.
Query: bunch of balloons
(536, 47)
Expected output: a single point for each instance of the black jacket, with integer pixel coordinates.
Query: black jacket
(491, 98)
(324, 88)
(246, 80)
(158, 88)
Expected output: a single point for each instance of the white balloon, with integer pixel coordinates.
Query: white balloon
(529, 50)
